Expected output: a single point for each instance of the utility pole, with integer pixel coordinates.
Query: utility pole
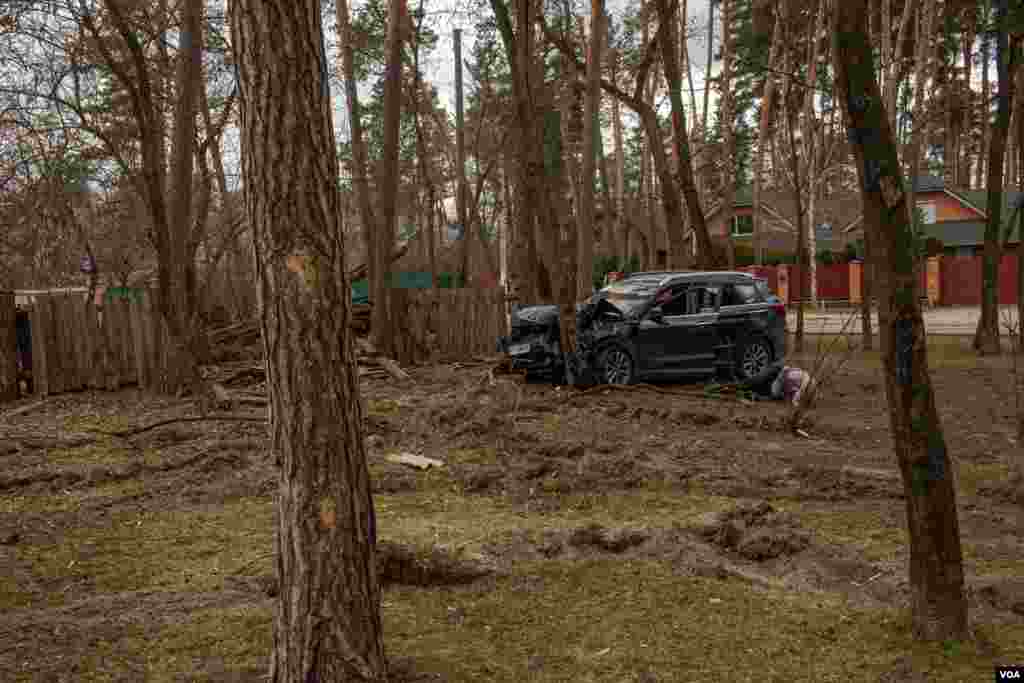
(460, 154)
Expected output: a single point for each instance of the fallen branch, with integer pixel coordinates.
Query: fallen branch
(23, 409)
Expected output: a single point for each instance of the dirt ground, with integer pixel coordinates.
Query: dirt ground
(608, 535)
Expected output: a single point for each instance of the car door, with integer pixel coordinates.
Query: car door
(683, 341)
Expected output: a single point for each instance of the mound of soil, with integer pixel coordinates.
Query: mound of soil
(756, 532)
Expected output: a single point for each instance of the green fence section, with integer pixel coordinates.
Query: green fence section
(123, 294)
(406, 280)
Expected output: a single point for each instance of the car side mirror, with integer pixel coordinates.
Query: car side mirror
(657, 315)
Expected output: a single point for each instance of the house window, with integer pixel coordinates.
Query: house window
(929, 211)
(742, 226)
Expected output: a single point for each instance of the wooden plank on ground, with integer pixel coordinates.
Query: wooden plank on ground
(8, 348)
(38, 322)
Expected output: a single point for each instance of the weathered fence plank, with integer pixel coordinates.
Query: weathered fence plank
(8, 348)
(39, 321)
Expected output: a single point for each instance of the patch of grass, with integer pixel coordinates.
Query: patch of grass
(190, 550)
(472, 456)
(212, 643)
(609, 620)
(469, 522)
(102, 452)
(382, 407)
(972, 476)
(72, 499)
(877, 534)
(102, 423)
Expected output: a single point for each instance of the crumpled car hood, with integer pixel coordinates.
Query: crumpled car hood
(542, 314)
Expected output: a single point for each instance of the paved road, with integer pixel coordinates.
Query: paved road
(958, 320)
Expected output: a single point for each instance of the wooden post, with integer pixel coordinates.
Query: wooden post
(8, 348)
(856, 281)
(783, 272)
(94, 346)
(934, 282)
(39, 323)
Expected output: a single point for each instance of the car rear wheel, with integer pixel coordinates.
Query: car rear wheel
(753, 358)
(617, 366)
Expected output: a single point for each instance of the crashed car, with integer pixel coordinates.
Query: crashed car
(657, 325)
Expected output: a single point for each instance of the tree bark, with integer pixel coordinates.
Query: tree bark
(938, 598)
(360, 164)
(383, 324)
(764, 128)
(985, 106)
(591, 104)
(707, 256)
(327, 625)
(811, 128)
(727, 103)
(986, 338)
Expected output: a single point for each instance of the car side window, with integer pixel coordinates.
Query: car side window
(701, 299)
(676, 305)
(739, 294)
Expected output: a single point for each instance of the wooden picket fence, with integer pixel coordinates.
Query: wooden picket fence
(466, 323)
(77, 345)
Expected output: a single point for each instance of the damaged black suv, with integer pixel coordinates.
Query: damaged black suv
(657, 325)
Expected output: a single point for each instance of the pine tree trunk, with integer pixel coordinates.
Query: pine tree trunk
(811, 131)
(707, 256)
(764, 128)
(985, 106)
(591, 129)
(727, 100)
(621, 223)
(986, 338)
(360, 163)
(327, 625)
(938, 598)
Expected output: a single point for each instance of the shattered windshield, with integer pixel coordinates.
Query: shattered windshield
(631, 296)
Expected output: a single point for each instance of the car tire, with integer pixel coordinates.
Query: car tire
(616, 366)
(753, 357)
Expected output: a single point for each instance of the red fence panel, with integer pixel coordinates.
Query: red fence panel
(1007, 279)
(834, 281)
(961, 280)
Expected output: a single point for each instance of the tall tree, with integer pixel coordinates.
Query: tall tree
(938, 600)
(727, 102)
(591, 130)
(764, 127)
(360, 163)
(1008, 56)
(707, 256)
(327, 625)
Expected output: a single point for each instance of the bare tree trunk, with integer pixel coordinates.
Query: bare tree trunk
(327, 625)
(725, 90)
(360, 164)
(764, 128)
(383, 325)
(591, 129)
(986, 338)
(986, 98)
(621, 223)
(811, 130)
(938, 599)
(707, 257)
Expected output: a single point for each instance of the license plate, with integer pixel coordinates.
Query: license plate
(518, 349)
